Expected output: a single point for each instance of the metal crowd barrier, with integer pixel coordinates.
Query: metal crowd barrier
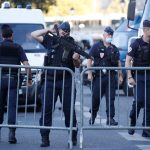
(100, 121)
(30, 97)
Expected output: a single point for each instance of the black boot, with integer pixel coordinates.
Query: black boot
(111, 122)
(74, 137)
(146, 133)
(92, 119)
(45, 141)
(12, 139)
(132, 124)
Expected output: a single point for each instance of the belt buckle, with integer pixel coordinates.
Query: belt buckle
(104, 71)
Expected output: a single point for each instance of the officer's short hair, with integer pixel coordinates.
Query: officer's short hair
(109, 30)
(65, 26)
(6, 31)
(146, 23)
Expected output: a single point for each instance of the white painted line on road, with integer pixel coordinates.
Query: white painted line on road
(99, 119)
(87, 114)
(143, 147)
(135, 137)
(77, 103)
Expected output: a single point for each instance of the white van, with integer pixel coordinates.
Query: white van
(23, 21)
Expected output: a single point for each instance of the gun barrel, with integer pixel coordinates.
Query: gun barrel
(81, 52)
(74, 47)
(70, 45)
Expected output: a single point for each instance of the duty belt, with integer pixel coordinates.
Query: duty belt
(51, 78)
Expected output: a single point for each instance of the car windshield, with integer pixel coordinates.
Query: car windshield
(123, 33)
(120, 39)
(22, 36)
(134, 24)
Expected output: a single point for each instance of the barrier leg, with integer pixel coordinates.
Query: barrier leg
(70, 140)
(81, 138)
(0, 134)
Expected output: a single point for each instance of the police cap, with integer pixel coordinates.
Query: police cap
(65, 26)
(6, 31)
(109, 30)
(146, 23)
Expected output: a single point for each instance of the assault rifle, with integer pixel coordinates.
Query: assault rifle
(68, 44)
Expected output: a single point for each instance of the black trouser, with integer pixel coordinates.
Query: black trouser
(48, 104)
(12, 98)
(141, 99)
(101, 88)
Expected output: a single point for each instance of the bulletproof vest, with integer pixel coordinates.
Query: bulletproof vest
(102, 59)
(142, 55)
(59, 55)
(9, 54)
(51, 45)
(114, 56)
(55, 60)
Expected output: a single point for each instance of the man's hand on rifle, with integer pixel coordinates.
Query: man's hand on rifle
(76, 60)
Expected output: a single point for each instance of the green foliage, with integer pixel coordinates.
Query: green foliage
(116, 7)
(82, 7)
(41, 4)
(63, 7)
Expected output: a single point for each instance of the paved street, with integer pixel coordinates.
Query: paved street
(93, 139)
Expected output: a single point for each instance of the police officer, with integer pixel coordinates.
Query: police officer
(139, 56)
(105, 54)
(71, 60)
(10, 53)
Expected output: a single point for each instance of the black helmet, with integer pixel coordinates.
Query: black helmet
(65, 26)
(109, 30)
(146, 23)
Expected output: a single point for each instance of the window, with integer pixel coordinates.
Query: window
(22, 36)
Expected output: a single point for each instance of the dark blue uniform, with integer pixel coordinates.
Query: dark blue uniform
(104, 57)
(10, 53)
(55, 59)
(140, 52)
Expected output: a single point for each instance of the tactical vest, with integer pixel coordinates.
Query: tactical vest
(142, 55)
(54, 59)
(110, 58)
(9, 54)
(58, 55)
(114, 56)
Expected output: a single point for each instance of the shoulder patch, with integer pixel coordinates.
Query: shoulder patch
(102, 49)
(130, 49)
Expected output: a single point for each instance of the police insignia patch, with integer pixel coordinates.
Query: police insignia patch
(101, 55)
(130, 49)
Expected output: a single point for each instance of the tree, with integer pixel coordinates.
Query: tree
(41, 4)
(116, 6)
(105, 3)
(63, 7)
